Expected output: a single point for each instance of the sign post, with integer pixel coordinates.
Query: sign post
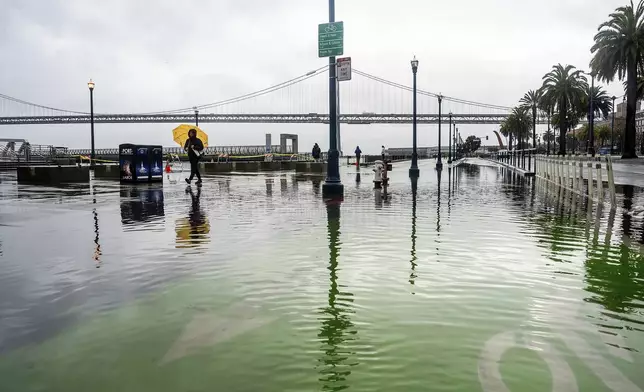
(344, 74)
(331, 44)
(331, 39)
(344, 69)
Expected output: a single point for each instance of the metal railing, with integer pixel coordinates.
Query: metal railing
(568, 172)
(213, 150)
(519, 159)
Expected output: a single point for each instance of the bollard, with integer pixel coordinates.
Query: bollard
(573, 163)
(590, 180)
(611, 181)
(600, 182)
(377, 174)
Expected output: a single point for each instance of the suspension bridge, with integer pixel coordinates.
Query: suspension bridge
(367, 99)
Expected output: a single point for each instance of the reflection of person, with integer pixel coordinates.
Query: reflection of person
(196, 216)
(194, 146)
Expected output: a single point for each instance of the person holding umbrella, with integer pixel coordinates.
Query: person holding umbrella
(194, 148)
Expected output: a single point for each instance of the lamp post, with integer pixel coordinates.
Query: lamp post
(413, 170)
(549, 112)
(449, 139)
(91, 85)
(439, 163)
(591, 117)
(332, 186)
(196, 115)
(454, 157)
(612, 127)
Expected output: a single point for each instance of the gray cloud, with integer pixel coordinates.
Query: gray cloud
(158, 55)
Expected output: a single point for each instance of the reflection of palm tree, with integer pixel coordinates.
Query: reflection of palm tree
(414, 189)
(337, 328)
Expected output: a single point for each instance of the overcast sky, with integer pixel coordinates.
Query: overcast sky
(148, 56)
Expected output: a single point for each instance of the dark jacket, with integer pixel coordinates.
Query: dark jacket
(316, 152)
(358, 151)
(198, 145)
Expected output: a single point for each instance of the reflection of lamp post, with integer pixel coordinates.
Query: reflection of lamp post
(439, 163)
(413, 170)
(337, 329)
(91, 85)
(412, 274)
(612, 127)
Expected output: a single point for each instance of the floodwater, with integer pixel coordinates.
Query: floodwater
(477, 281)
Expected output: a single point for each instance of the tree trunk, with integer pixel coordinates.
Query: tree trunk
(631, 107)
(562, 126)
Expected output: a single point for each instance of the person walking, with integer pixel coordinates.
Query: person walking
(316, 152)
(194, 148)
(358, 152)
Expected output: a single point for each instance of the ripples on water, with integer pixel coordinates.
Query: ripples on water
(477, 279)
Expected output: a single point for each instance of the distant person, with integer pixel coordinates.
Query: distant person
(358, 152)
(383, 152)
(194, 148)
(316, 152)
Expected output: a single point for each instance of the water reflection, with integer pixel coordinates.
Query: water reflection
(337, 330)
(142, 207)
(193, 231)
(269, 187)
(97, 246)
(316, 181)
(414, 258)
(614, 272)
(438, 207)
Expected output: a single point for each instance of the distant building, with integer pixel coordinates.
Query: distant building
(621, 109)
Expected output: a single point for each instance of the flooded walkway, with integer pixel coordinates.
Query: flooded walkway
(472, 281)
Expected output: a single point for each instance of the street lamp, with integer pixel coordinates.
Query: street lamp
(413, 170)
(591, 117)
(332, 186)
(91, 85)
(439, 163)
(612, 127)
(196, 115)
(449, 139)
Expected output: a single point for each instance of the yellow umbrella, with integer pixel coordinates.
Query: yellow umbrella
(180, 134)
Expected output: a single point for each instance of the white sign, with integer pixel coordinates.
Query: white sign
(344, 69)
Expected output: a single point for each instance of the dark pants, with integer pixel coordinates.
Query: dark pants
(194, 169)
(358, 159)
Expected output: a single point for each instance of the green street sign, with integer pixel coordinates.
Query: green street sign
(331, 39)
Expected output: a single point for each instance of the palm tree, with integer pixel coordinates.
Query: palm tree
(565, 87)
(533, 100)
(522, 123)
(506, 130)
(602, 102)
(618, 50)
(546, 105)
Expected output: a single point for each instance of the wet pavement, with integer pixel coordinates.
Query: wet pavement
(474, 280)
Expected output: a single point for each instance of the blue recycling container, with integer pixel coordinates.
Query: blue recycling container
(141, 163)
